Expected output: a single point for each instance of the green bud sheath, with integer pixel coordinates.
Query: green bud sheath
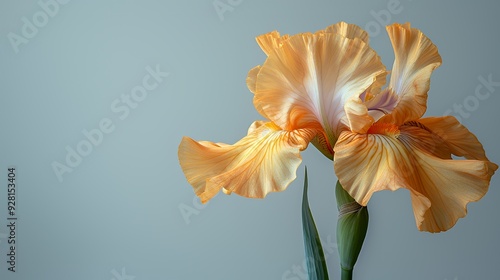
(352, 225)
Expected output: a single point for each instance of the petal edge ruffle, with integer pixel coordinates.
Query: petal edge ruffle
(440, 188)
(264, 161)
(416, 57)
(302, 85)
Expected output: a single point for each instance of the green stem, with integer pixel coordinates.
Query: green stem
(352, 225)
(346, 274)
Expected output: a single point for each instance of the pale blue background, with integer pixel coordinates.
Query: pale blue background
(119, 209)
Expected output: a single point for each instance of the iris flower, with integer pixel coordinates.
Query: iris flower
(324, 88)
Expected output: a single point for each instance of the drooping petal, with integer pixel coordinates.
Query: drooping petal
(449, 185)
(415, 59)
(459, 139)
(391, 157)
(418, 136)
(270, 41)
(363, 164)
(264, 161)
(305, 83)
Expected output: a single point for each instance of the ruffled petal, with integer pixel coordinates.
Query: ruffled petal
(391, 157)
(305, 83)
(353, 31)
(449, 185)
(270, 41)
(459, 139)
(347, 30)
(264, 161)
(415, 59)
(273, 40)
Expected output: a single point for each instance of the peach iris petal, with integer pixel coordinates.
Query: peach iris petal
(255, 125)
(376, 87)
(251, 82)
(381, 104)
(362, 110)
(416, 58)
(365, 165)
(449, 185)
(264, 161)
(414, 158)
(252, 78)
(305, 83)
(270, 41)
(358, 119)
(347, 30)
(459, 139)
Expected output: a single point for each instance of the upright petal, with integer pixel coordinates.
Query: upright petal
(415, 59)
(376, 87)
(264, 161)
(252, 78)
(306, 82)
(391, 157)
(270, 41)
(251, 82)
(347, 30)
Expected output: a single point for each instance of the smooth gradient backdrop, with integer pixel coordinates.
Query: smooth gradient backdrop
(96, 96)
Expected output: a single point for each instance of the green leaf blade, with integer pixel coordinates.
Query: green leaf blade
(315, 258)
